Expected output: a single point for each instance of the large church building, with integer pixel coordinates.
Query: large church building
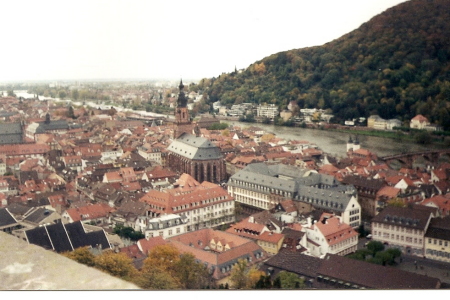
(189, 152)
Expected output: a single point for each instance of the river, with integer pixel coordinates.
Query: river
(335, 143)
(332, 142)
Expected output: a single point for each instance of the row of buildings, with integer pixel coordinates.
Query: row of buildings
(418, 122)
(179, 183)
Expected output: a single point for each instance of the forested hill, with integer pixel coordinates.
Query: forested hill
(395, 65)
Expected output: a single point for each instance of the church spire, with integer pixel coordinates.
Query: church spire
(181, 86)
(182, 101)
(182, 119)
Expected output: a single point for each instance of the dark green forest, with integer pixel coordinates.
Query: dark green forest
(396, 65)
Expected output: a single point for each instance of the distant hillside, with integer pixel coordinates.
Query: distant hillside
(395, 65)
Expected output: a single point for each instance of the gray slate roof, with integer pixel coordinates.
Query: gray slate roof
(18, 208)
(295, 262)
(369, 275)
(52, 125)
(415, 217)
(323, 191)
(6, 218)
(11, 133)
(66, 237)
(439, 228)
(38, 215)
(195, 148)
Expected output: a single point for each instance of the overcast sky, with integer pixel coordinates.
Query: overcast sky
(151, 39)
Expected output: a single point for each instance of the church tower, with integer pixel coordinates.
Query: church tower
(181, 112)
(182, 119)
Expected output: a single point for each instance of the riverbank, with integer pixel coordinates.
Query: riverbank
(427, 140)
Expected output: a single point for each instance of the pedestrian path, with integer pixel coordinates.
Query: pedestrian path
(421, 267)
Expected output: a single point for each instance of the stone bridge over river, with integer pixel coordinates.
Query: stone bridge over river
(407, 159)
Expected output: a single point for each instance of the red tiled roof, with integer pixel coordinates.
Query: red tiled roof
(196, 241)
(88, 212)
(288, 206)
(420, 119)
(271, 237)
(245, 225)
(181, 199)
(328, 169)
(24, 149)
(334, 230)
(388, 191)
(132, 252)
(441, 174)
(441, 202)
(146, 245)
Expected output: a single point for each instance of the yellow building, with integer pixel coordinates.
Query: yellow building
(403, 227)
(270, 242)
(437, 239)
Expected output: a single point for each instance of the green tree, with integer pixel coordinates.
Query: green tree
(361, 254)
(218, 126)
(423, 137)
(385, 257)
(75, 94)
(264, 282)
(395, 252)
(289, 280)
(277, 283)
(62, 94)
(375, 246)
(266, 120)
(128, 232)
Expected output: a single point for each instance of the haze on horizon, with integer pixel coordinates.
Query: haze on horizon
(164, 39)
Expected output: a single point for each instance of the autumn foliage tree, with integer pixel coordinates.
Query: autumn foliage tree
(163, 257)
(116, 264)
(156, 279)
(81, 255)
(167, 268)
(238, 276)
(244, 277)
(394, 65)
(191, 274)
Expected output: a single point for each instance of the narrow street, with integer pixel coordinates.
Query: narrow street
(419, 265)
(426, 267)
